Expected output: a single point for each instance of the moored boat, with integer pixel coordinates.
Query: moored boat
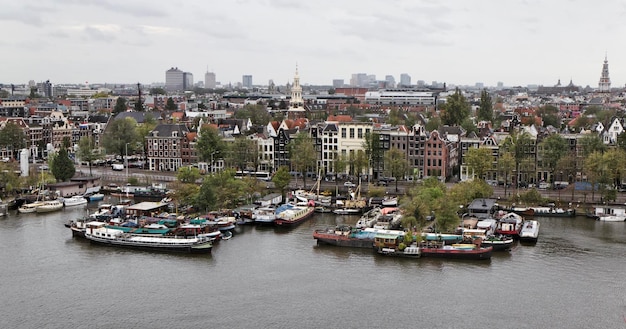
(455, 251)
(92, 197)
(552, 211)
(115, 237)
(510, 224)
(499, 242)
(530, 231)
(49, 206)
(294, 215)
(28, 208)
(264, 215)
(74, 201)
(348, 236)
(608, 213)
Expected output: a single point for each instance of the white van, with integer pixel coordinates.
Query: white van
(544, 185)
(117, 166)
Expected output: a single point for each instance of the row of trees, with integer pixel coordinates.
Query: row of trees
(598, 164)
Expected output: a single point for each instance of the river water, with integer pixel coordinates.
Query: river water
(269, 278)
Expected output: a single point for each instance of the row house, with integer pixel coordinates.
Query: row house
(166, 145)
(265, 151)
(60, 129)
(440, 156)
(409, 140)
(350, 141)
(473, 141)
(281, 134)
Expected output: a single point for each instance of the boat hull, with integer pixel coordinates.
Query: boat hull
(294, 221)
(342, 241)
(499, 245)
(189, 248)
(482, 253)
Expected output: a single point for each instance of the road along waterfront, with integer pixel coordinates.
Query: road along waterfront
(266, 277)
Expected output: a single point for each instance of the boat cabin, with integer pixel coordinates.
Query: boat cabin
(387, 240)
(147, 208)
(482, 208)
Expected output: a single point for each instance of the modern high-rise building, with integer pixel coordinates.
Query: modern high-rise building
(209, 80)
(174, 79)
(187, 81)
(604, 86)
(338, 83)
(390, 81)
(405, 80)
(246, 81)
(358, 80)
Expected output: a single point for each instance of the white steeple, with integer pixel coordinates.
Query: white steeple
(296, 92)
(604, 86)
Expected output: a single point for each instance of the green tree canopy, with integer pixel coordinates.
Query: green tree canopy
(62, 166)
(88, 152)
(506, 164)
(170, 105)
(374, 152)
(187, 175)
(13, 138)
(455, 110)
(485, 109)
(210, 145)
(554, 148)
(520, 145)
(396, 165)
(549, 114)
(242, 154)
(479, 161)
(118, 133)
(591, 143)
(120, 105)
(281, 179)
(257, 114)
(302, 154)
(157, 91)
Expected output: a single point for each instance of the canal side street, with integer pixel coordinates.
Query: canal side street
(568, 197)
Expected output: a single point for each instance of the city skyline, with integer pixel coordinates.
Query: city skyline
(517, 43)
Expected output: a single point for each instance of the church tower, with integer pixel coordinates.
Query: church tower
(604, 86)
(296, 103)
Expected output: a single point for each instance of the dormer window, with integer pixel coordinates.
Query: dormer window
(174, 133)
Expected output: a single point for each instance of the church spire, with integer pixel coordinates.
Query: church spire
(296, 91)
(604, 86)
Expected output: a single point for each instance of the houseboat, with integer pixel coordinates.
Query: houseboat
(294, 215)
(529, 232)
(609, 213)
(114, 237)
(348, 236)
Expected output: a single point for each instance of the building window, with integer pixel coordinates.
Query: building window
(351, 132)
(343, 132)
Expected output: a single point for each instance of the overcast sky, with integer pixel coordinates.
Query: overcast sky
(458, 42)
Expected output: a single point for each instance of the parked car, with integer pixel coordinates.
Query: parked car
(382, 183)
(349, 184)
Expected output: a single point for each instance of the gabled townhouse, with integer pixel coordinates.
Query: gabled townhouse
(440, 156)
(614, 128)
(166, 145)
(265, 151)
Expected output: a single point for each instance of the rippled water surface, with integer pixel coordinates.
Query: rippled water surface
(269, 278)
